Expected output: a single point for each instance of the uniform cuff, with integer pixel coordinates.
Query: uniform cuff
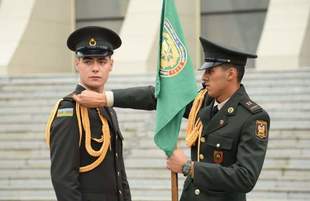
(110, 98)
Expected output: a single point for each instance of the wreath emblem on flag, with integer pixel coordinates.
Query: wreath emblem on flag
(173, 52)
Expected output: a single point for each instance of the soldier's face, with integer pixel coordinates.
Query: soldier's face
(216, 80)
(94, 71)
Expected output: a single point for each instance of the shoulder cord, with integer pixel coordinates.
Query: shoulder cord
(83, 122)
(194, 127)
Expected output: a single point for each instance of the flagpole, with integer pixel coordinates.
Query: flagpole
(174, 186)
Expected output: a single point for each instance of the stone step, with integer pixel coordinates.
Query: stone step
(291, 164)
(45, 110)
(150, 195)
(40, 136)
(28, 195)
(272, 153)
(291, 86)
(158, 184)
(33, 126)
(146, 144)
(275, 144)
(254, 196)
(27, 127)
(17, 107)
(150, 163)
(9, 121)
(300, 94)
(150, 174)
(149, 135)
(42, 111)
(39, 118)
(71, 77)
(42, 118)
(41, 152)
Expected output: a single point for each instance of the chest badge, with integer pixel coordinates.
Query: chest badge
(230, 110)
(218, 157)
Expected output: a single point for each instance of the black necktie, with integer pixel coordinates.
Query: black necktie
(214, 111)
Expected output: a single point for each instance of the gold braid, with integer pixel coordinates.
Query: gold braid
(83, 122)
(194, 127)
(50, 121)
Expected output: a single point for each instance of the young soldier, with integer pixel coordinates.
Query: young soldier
(86, 144)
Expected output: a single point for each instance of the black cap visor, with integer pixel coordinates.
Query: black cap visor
(208, 65)
(93, 52)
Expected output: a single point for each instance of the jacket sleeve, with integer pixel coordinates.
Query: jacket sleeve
(65, 157)
(243, 174)
(125, 185)
(142, 98)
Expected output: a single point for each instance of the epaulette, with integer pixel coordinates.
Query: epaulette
(69, 97)
(251, 106)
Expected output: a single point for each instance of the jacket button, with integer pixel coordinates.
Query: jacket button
(120, 192)
(116, 155)
(203, 139)
(118, 173)
(218, 145)
(201, 156)
(197, 191)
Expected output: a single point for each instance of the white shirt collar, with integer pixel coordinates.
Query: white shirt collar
(220, 105)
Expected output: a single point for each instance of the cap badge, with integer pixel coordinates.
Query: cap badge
(92, 42)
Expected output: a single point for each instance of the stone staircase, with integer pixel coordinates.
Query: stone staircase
(25, 103)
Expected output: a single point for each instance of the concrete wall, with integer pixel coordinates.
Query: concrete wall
(40, 29)
(107, 13)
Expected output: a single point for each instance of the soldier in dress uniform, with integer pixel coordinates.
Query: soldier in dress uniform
(86, 143)
(227, 131)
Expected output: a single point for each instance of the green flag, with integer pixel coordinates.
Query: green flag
(175, 82)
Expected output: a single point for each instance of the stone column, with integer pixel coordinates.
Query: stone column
(285, 40)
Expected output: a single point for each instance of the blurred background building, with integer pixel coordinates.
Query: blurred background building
(34, 32)
(36, 69)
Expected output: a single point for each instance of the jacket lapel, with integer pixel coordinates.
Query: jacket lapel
(221, 119)
(218, 121)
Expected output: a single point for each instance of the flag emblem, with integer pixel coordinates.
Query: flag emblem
(173, 52)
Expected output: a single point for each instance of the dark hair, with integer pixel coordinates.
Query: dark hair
(240, 70)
